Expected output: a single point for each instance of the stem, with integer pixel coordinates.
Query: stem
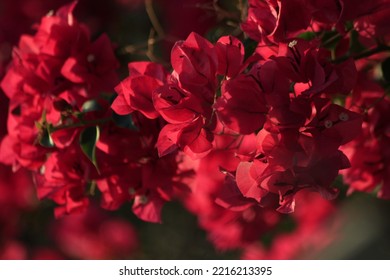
(364, 54)
(142, 47)
(375, 102)
(81, 124)
(378, 49)
(150, 49)
(336, 37)
(153, 18)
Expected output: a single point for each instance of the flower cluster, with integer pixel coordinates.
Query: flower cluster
(274, 21)
(369, 152)
(274, 114)
(240, 130)
(60, 125)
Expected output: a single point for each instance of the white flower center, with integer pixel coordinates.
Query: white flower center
(292, 43)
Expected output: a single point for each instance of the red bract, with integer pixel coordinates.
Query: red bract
(188, 119)
(299, 145)
(64, 179)
(335, 124)
(130, 170)
(238, 141)
(175, 105)
(230, 53)
(242, 100)
(135, 92)
(53, 73)
(354, 10)
(373, 26)
(227, 229)
(195, 65)
(93, 66)
(191, 137)
(250, 97)
(288, 163)
(60, 35)
(309, 67)
(276, 20)
(369, 153)
(182, 99)
(19, 148)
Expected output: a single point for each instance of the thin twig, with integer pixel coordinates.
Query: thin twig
(81, 124)
(153, 18)
(367, 53)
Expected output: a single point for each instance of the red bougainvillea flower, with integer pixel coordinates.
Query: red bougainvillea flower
(231, 228)
(242, 100)
(250, 96)
(308, 66)
(191, 137)
(373, 26)
(231, 54)
(369, 153)
(53, 72)
(93, 66)
(64, 179)
(336, 124)
(185, 102)
(183, 99)
(339, 12)
(18, 147)
(276, 20)
(290, 161)
(195, 65)
(131, 170)
(135, 92)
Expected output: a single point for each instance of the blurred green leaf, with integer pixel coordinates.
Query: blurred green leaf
(88, 139)
(45, 139)
(330, 39)
(354, 44)
(249, 46)
(308, 36)
(385, 66)
(91, 106)
(125, 121)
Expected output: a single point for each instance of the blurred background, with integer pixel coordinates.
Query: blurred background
(356, 227)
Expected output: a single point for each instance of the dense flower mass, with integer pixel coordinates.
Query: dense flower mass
(369, 152)
(212, 93)
(59, 85)
(240, 129)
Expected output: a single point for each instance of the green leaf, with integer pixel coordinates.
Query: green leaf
(91, 106)
(88, 139)
(125, 121)
(385, 67)
(339, 100)
(45, 139)
(308, 36)
(44, 128)
(92, 188)
(249, 46)
(354, 44)
(330, 39)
